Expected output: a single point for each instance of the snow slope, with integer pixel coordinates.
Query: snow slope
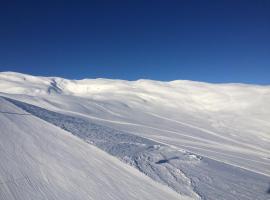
(185, 172)
(41, 161)
(227, 125)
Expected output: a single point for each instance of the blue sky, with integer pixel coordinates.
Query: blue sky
(212, 41)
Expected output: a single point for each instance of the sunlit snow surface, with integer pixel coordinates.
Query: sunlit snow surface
(42, 161)
(204, 141)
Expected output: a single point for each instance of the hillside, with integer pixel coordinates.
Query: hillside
(193, 140)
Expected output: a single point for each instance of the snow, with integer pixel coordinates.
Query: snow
(41, 161)
(185, 172)
(213, 139)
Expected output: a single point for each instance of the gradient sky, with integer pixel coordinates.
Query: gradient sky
(212, 41)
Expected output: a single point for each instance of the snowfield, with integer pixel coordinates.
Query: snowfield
(115, 139)
(41, 161)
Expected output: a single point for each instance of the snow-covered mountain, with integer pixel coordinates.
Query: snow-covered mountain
(115, 139)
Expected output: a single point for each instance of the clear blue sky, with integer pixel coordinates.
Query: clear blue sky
(213, 41)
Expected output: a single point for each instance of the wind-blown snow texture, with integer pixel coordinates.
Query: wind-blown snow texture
(203, 140)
